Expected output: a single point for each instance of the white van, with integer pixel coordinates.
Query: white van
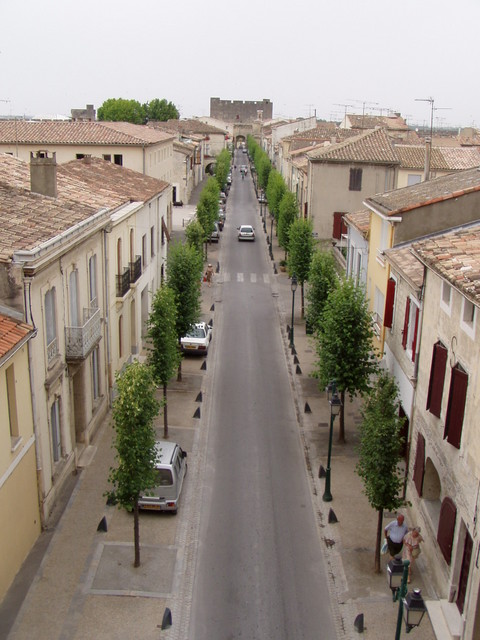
(171, 467)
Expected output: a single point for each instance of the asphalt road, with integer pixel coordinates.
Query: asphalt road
(259, 572)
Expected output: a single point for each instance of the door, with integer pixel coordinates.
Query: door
(463, 581)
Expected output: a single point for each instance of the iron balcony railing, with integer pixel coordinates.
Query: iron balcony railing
(135, 269)
(123, 283)
(79, 341)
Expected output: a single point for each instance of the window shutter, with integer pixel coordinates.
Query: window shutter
(456, 407)
(415, 332)
(337, 225)
(446, 528)
(419, 466)
(388, 314)
(405, 324)
(437, 379)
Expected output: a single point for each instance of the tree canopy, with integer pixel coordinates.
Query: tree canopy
(287, 214)
(134, 410)
(300, 250)
(380, 451)
(122, 110)
(344, 344)
(322, 279)
(275, 191)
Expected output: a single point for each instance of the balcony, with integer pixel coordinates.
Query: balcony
(135, 269)
(123, 283)
(79, 341)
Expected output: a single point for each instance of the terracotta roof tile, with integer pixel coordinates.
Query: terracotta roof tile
(83, 186)
(455, 256)
(396, 123)
(58, 132)
(360, 220)
(12, 332)
(424, 193)
(442, 158)
(403, 260)
(372, 147)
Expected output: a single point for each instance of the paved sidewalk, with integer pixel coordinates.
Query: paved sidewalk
(79, 582)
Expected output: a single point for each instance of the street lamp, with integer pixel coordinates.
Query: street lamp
(335, 406)
(293, 287)
(410, 605)
(271, 236)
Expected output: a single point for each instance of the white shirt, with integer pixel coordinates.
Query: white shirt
(396, 532)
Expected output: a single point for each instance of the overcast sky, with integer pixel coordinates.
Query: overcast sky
(306, 56)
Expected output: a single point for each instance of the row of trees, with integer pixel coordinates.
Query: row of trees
(122, 110)
(339, 319)
(176, 305)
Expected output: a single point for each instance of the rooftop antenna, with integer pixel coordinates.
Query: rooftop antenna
(345, 106)
(363, 103)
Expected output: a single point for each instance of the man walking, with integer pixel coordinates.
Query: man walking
(395, 531)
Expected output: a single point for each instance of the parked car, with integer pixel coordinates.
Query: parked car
(221, 219)
(197, 340)
(262, 198)
(170, 469)
(246, 232)
(229, 178)
(215, 235)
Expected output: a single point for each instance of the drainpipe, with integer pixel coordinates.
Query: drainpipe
(27, 284)
(106, 299)
(428, 154)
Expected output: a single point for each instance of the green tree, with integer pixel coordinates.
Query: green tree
(134, 410)
(161, 110)
(322, 279)
(164, 356)
(207, 208)
(222, 168)
(121, 110)
(344, 344)
(300, 250)
(195, 235)
(287, 214)
(276, 189)
(184, 274)
(380, 451)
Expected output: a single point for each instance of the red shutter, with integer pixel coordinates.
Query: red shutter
(419, 466)
(405, 324)
(446, 528)
(437, 379)
(456, 407)
(415, 332)
(388, 314)
(339, 225)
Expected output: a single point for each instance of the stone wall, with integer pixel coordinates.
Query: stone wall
(241, 111)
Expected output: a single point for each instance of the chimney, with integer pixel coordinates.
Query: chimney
(428, 154)
(43, 173)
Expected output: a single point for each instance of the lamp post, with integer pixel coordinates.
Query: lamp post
(293, 287)
(410, 605)
(271, 236)
(335, 405)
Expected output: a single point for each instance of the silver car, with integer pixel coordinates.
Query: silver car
(170, 468)
(246, 232)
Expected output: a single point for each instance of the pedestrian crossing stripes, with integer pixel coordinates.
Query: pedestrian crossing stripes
(253, 278)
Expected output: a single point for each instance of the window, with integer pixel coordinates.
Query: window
(446, 295)
(355, 180)
(437, 379)
(419, 466)
(92, 281)
(79, 156)
(468, 318)
(446, 528)
(379, 306)
(120, 336)
(73, 299)
(12, 404)
(410, 327)
(95, 374)
(51, 324)
(55, 430)
(456, 406)
(118, 159)
(152, 241)
(144, 250)
(413, 179)
(389, 303)
(107, 157)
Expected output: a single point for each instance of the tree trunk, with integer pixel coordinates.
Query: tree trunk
(136, 534)
(341, 417)
(379, 541)
(165, 418)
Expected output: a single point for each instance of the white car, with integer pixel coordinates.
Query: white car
(197, 339)
(246, 232)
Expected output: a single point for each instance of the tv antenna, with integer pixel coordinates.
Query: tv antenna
(364, 104)
(432, 109)
(345, 106)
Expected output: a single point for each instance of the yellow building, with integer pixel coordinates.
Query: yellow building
(18, 479)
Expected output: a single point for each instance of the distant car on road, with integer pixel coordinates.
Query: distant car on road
(244, 169)
(246, 232)
(197, 340)
(215, 235)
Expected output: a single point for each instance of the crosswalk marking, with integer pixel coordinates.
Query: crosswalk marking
(226, 276)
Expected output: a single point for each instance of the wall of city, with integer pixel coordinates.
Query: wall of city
(239, 110)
